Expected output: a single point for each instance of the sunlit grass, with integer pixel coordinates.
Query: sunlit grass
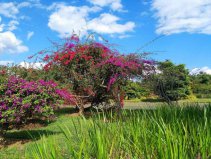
(176, 133)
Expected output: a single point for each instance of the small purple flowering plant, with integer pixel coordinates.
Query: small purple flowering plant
(21, 100)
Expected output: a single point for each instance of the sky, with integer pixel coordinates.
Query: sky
(176, 30)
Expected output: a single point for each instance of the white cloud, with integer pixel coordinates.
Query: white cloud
(176, 16)
(107, 24)
(196, 71)
(115, 5)
(29, 35)
(35, 65)
(10, 44)
(67, 19)
(6, 62)
(8, 9)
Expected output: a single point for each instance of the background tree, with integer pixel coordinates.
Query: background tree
(172, 83)
(201, 85)
(135, 89)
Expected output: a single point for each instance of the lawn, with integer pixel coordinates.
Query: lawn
(154, 103)
(164, 132)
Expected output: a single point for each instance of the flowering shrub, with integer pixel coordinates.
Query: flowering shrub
(3, 74)
(96, 72)
(21, 100)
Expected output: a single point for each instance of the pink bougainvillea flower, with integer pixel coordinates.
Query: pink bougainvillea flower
(70, 45)
(112, 81)
(46, 58)
(74, 38)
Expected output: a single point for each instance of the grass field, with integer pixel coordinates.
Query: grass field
(154, 103)
(165, 132)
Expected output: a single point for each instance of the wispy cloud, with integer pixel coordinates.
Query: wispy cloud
(12, 25)
(115, 5)
(144, 13)
(8, 10)
(1, 25)
(29, 35)
(12, 9)
(176, 16)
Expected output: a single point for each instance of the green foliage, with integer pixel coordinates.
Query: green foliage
(201, 85)
(135, 90)
(3, 74)
(29, 74)
(172, 83)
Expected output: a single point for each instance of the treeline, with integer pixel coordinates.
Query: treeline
(170, 82)
(201, 85)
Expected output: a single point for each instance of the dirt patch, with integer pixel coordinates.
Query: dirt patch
(86, 114)
(13, 143)
(73, 115)
(31, 126)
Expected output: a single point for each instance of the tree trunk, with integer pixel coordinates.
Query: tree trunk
(80, 105)
(119, 110)
(1, 136)
(119, 105)
(81, 110)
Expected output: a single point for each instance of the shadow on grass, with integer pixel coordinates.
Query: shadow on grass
(28, 134)
(70, 110)
(152, 100)
(24, 136)
(65, 110)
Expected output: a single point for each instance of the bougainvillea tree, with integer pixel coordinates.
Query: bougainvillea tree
(96, 72)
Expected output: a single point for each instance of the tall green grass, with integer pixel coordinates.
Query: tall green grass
(164, 133)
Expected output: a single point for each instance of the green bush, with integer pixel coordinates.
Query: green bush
(201, 85)
(135, 90)
(172, 83)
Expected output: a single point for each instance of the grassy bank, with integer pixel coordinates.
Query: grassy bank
(176, 132)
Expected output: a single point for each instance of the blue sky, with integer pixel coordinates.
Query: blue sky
(183, 27)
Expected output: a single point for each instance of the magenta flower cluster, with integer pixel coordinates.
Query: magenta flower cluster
(21, 100)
